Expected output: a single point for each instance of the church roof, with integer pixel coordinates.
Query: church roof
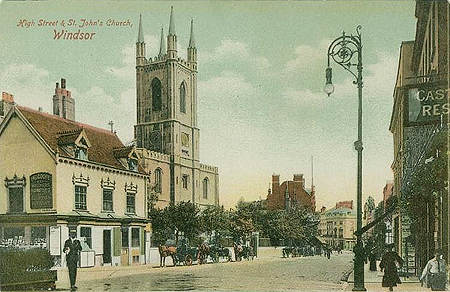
(56, 131)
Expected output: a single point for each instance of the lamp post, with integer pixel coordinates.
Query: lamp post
(342, 51)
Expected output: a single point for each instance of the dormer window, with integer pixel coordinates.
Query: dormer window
(132, 164)
(81, 153)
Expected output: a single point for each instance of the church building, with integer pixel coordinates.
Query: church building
(166, 133)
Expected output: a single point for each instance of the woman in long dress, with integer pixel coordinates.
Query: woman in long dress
(389, 265)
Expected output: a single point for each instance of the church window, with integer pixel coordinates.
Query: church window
(185, 181)
(205, 188)
(156, 94)
(183, 98)
(158, 180)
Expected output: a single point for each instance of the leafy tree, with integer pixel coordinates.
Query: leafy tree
(214, 219)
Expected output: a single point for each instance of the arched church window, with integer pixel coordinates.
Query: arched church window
(183, 98)
(158, 180)
(156, 94)
(205, 188)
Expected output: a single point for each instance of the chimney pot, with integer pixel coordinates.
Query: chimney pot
(63, 83)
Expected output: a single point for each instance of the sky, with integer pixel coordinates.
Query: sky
(261, 72)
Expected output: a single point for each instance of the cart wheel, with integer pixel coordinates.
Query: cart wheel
(188, 260)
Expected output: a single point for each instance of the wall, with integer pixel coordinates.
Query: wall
(23, 155)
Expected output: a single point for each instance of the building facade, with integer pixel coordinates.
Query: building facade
(418, 122)
(58, 175)
(290, 194)
(336, 227)
(166, 133)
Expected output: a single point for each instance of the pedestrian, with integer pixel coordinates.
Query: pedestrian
(435, 273)
(389, 265)
(328, 253)
(72, 248)
(372, 260)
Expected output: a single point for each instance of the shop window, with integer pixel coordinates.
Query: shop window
(135, 237)
(86, 232)
(38, 235)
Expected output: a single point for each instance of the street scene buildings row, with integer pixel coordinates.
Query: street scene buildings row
(59, 174)
(419, 124)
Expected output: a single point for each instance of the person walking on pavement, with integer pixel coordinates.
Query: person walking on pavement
(435, 273)
(72, 248)
(389, 265)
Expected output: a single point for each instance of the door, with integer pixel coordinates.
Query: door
(106, 246)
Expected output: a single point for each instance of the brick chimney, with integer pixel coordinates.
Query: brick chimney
(7, 97)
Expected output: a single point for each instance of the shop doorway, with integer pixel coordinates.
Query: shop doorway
(107, 246)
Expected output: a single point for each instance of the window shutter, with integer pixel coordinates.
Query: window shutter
(117, 241)
(142, 241)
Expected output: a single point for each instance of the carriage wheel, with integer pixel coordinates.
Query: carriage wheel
(188, 260)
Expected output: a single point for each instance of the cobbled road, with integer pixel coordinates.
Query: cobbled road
(270, 272)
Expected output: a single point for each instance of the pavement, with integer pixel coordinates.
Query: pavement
(372, 282)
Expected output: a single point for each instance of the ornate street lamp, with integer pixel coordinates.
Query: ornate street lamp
(342, 51)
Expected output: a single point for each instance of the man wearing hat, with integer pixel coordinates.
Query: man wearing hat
(434, 274)
(72, 248)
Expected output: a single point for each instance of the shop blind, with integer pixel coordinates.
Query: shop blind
(117, 241)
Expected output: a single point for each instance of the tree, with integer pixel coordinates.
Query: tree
(214, 219)
(183, 220)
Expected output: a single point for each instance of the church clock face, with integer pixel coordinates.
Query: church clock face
(184, 140)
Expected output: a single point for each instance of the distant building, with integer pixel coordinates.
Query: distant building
(337, 225)
(290, 193)
(388, 192)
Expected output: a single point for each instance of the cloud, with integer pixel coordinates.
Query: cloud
(29, 84)
(120, 109)
(127, 71)
(306, 57)
(229, 88)
(232, 50)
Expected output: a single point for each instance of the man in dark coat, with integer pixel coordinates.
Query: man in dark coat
(389, 265)
(72, 248)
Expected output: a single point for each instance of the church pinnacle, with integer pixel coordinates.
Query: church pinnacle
(171, 22)
(140, 33)
(191, 39)
(162, 44)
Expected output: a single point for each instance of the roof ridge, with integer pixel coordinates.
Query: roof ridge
(79, 124)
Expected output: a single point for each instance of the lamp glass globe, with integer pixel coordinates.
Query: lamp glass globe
(329, 88)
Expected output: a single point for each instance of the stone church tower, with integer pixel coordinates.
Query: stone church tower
(166, 90)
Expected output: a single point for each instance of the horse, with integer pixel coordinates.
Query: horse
(165, 251)
(203, 252)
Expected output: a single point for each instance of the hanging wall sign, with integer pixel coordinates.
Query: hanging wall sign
(426, 104)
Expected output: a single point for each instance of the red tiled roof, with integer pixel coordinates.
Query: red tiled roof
(51, 127)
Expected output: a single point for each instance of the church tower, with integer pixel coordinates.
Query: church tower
(166, 90)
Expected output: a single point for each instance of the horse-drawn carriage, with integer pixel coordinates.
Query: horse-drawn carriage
(181, 253)
(217, 251)
(291, 251)
(243, 251)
